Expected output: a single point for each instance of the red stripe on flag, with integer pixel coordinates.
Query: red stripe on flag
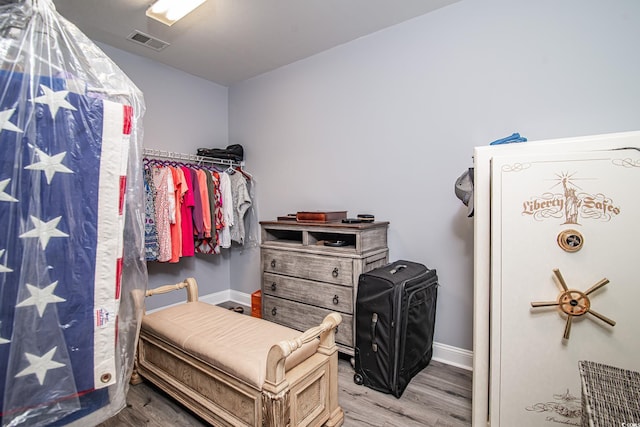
(62, 399)
(118, 277)
(128, 118)
(123, 187)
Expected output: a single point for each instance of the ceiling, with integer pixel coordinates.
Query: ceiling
(227, 41)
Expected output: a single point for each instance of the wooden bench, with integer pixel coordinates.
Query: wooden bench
(236, 370)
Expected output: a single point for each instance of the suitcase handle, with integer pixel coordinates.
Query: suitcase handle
(374, 323)
(398, 268)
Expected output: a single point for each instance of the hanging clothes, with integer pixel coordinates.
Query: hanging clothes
(241, 203)
(179, 188)
(151, 247)
(206, 210)
(192, 209)
(217, 220)
(198, 220)
(227, 210)
(163, 222)
(187, 207)
(207, 244)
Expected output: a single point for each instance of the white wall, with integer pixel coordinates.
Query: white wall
(183, 113)
(386, 123)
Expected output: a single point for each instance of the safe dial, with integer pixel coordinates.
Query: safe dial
(570, 240)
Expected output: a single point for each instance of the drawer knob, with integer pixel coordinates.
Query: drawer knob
(334, 273)
(273, 263)
(274, 311)
(336, 300)
(273, 286)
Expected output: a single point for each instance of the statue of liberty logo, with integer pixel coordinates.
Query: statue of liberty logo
(572, 202)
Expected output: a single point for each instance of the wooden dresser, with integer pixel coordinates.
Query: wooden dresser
(309, 270)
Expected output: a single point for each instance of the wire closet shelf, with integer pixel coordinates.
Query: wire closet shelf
(190, 158)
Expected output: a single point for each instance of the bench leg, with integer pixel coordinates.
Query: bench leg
(336, 419)
(329, 348)
(275, 408)
(135, 376)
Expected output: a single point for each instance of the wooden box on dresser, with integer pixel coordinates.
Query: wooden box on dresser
(312, 269)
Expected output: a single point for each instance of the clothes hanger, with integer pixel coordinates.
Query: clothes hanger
(244, 173)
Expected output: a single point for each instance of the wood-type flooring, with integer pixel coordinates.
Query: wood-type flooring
(438, 396)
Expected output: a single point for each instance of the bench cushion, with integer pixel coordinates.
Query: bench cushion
(232, 342)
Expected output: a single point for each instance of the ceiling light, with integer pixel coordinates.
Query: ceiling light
(170, 11)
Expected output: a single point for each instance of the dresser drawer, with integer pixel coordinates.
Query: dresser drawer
(332, 297)
(328, 269)
(302, 317)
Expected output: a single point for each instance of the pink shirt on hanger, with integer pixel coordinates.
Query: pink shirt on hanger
(188, 204)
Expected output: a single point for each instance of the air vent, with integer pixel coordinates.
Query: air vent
(148, 41)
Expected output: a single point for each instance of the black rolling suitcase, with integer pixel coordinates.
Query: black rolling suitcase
(395, 319)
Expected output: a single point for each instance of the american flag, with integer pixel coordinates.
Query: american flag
(63, 159)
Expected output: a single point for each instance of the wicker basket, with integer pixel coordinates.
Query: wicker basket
(610, 396)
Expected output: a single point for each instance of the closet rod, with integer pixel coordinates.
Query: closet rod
(192, 158)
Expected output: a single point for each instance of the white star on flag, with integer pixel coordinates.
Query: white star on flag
(41, 297)
(2, 340)
(40, 365)
(4, 268)
(54, 100)
(5, 197)
(44, 230)
(5, 123)
(49, 164)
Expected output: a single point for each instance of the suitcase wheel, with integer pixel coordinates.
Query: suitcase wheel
(357, 378)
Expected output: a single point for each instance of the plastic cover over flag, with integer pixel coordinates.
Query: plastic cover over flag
(72, 273)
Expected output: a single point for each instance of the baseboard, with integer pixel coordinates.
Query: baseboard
(441, 352)
(453, 356)
(240, 297)
(218, 297)
(215, 299)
